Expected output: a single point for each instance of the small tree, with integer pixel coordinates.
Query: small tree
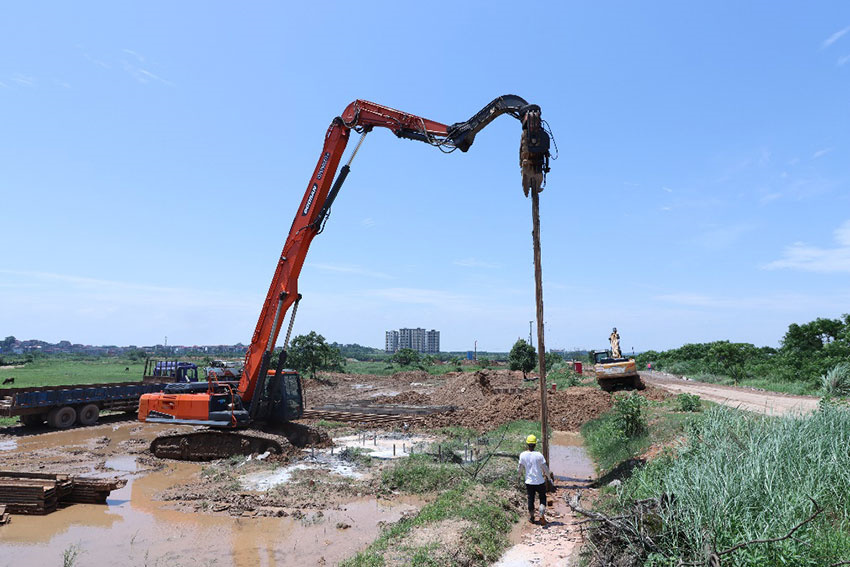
(730, 358)
(553, 358)
(311, 353)
(522, 357)
(406, 357)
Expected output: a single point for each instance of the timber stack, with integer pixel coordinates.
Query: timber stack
(43, 493)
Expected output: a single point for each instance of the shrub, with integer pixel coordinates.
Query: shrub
(628, 409)
(688, 402)
(836, 381)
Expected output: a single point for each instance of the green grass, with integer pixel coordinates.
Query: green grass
(609, 446)
(57, 372)
(484, 502)
(489, 512)
(742, 477)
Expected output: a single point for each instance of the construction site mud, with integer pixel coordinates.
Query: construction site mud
(258, 508)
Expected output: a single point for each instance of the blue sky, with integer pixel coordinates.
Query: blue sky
(153, 154)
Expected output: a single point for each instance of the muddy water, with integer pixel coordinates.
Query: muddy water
(134, 529)
(568, 459)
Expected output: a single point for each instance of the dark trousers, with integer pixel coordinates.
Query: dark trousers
(531, 490)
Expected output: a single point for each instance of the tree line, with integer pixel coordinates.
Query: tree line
(807, 352)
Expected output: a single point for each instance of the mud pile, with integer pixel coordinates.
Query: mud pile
(654, 393)
(568, 409)
(410, 398)
(464, 389)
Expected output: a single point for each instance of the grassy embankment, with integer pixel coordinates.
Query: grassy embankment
(734, 478)
(467, 519)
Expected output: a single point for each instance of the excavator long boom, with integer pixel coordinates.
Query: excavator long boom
(361, 116)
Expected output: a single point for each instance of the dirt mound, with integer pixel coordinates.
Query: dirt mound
(568, 409)
(654, 393)
(464, 389)
(412, 376)
(411, 398)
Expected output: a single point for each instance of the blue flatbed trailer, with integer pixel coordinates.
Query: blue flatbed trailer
(63, 406)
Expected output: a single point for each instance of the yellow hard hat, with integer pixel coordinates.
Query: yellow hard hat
(531, 440)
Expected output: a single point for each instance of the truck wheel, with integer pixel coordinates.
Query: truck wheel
(88, 414)
(32, 420)
(62, 418)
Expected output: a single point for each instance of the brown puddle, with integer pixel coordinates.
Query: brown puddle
(134, 529)
(568, 459)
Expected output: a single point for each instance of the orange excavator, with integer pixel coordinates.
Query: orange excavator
(274, 396)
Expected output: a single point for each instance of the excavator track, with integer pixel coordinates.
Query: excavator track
(211, 444)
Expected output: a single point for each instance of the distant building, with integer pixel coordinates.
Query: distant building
(392, 341)
(417, 339)
(432, 341)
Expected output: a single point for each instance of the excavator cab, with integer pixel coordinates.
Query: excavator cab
(281, 398)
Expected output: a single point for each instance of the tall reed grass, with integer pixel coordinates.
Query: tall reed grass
(740, 477)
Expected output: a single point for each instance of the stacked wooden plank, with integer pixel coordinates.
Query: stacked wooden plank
(93, 490)
(42, 493)
(352, 417)
(32, 493)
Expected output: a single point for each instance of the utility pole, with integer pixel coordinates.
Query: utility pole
(541, 346)
(529, 332)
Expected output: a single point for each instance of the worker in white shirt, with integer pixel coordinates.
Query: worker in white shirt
(536, 473)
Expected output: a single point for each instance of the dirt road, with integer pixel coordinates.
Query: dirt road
(759, 401)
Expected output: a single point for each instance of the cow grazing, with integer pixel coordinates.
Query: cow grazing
(126, 369)
(8, 381)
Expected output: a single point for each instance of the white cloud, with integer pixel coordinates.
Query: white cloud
(666, 208)
(769, 197)
(134, 54)
(23, 80)
(843, 60)
(368, 222)
(59, 306)
(834, 37)
(821, 153)
(667, 189)
(800, 256)
(474, 263)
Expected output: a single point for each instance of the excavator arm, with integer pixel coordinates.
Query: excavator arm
(279, 399)
(361, 116)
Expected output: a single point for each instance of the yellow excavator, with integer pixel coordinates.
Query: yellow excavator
(613, 370)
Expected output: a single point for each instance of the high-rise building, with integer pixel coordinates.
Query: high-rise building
(417, 339)
(432, 341)
(392, 341)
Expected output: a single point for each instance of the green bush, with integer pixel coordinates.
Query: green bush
(688, 402)
(628, 409)
(419, 473)
(836, 381)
